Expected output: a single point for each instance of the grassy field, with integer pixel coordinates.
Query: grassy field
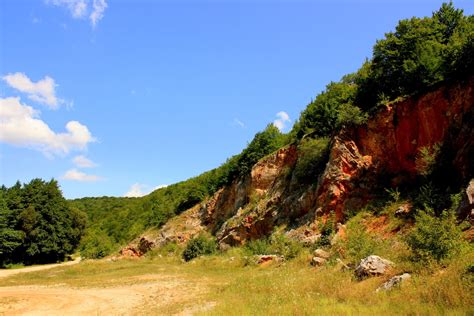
(226, 285)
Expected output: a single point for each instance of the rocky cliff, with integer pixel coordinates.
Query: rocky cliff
(382, 152)
(389, 144)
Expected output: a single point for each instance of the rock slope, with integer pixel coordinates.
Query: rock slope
(382, 152)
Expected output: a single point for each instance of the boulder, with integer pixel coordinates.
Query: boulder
(394, 282)
(317, 261)
(145, 245)
(320, 253)
(372, 266)
(466, 207)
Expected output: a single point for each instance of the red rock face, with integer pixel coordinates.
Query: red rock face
(390, 142)
(266, 171)
(387, 145)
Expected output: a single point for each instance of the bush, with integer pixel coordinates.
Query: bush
(313, 155)
(95, 245)
(434, 238)
(258, 247)
(284, 246)
(429, 197)
(278, 244)
(327, 230)
(199, 246)
(360, 243)
(349, 114)
(427, 158)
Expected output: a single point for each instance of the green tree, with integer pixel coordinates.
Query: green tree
(10, 238)
(38, 224)
(420, 53)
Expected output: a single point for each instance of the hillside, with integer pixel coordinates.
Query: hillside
(363, 162)
(366, 206)
(400, 124)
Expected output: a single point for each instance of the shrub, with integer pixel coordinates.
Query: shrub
(434, 238)
(350, 114)
(278, 244)
(394, 194)
(428, 197)
(313, 155)
(199, 246)
(284, 246)
(95, 245)
(360, 243)
(426, 159)
(258, 247)
(327, 230)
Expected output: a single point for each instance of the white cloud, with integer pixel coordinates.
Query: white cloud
(97, 14)
(82, 161)
(42, 91)
(80, 8)
(76, 175)
(20, 126)
(282, 119)
(238, 122)
(138, 190)
(77, 8)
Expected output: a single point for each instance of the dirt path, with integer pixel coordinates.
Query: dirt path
(149, 295)
(9, 272)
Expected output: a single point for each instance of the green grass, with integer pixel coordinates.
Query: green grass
(293, 288)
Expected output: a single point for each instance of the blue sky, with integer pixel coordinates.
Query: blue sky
(116, 97)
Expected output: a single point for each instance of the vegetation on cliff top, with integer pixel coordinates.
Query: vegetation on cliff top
(420, 53)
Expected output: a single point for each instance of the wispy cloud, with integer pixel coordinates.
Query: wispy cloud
(282, 119)
(42, 91)
(21, 126)
(97, 14)
(138, 190)
(82, 161)
(76, 175)
(238, 122)
(77, 8)
(82, 8)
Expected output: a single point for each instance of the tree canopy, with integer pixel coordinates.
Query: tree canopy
(420, 53)
(37, 224)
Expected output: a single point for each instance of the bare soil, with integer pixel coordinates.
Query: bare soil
(142, 295)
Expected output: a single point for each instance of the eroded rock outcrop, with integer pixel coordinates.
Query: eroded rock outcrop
(382, 152)
(388, 145)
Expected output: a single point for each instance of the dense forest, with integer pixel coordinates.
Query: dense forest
(37, 224)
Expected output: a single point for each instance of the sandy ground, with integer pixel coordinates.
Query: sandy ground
(9, 272)
(145, 296)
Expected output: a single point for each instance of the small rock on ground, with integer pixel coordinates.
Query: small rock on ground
(394, 282)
